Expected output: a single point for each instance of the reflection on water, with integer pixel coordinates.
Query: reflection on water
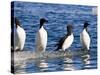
(42, 65)
(86, 60)
(76, 61)
(67, 65)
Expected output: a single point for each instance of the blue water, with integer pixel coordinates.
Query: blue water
(58, 16)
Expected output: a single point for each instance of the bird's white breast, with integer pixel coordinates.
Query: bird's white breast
(16, 40)
(21, 37)
(41, 40)
(85, 39)
(68, 41)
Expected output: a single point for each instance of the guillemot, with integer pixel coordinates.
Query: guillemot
(66, 41)
(41, 37)
(85, 38)
(19, 36)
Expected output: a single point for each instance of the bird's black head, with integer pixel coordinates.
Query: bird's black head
(69, 26)
(17, 23)
(69, 29)
(42, 21)
(86, 24)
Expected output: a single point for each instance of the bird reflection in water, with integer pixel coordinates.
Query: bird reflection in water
(67, 64)
(42, 65)
(86, 60)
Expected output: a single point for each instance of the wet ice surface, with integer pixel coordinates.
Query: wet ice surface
(58, 17)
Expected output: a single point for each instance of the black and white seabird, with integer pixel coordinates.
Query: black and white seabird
(85, 38)
(19, 36)
(41, 37)
(66, 41)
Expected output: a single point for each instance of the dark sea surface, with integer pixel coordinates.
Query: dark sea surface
(58, 16)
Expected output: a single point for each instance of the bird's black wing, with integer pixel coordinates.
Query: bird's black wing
(60, 42)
